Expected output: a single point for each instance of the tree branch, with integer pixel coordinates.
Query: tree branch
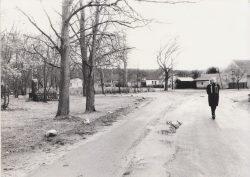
(51, 25)
(39, 29)
(44, 58)
(166, 2)
(89, 4)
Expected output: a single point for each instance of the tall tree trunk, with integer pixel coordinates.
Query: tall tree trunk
(16, 89)
(16, 81)
(172, 80)
(90, 90)
(166, 81)
(63, 105)
(84, 83)
(84, 51)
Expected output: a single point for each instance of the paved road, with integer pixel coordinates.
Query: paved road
(137, 146)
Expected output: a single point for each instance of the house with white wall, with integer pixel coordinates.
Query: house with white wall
(75, 83)
(237, 71)
(152, 81)
(75, 87)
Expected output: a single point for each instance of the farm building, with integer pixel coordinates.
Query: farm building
(184, 82)
(203, 80)
(237, 74)
(75, 86)
(75, 83)
(152, 82)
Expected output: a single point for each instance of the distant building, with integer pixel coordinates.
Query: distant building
(75, 83)
(238, 70)
(203, 80)
(160, 81)
(152, 82)
(75, 87)
(184, 82)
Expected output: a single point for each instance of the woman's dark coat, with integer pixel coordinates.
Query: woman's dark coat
(213, 94)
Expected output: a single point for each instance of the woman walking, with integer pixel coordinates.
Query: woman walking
(213, 90)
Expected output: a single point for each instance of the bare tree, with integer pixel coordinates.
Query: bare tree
(68, 12)
(99, 45)
(63, 49)
(62, 41)
(49, 58)
(237, 75)
(63, 105)
(165, 60)
(90, 81)
(83, 47)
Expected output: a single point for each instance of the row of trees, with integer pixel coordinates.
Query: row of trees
(89, 39)
(24, 58)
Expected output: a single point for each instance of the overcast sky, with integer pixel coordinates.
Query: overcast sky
(210, 32)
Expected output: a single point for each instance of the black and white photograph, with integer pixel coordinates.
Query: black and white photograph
(125, 88)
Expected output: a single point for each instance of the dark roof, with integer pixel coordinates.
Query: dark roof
(244, 65)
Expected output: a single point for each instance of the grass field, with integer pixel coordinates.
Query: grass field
(24, 123)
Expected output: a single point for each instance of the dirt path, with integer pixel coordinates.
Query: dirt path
(105, 153)
(143, 144)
